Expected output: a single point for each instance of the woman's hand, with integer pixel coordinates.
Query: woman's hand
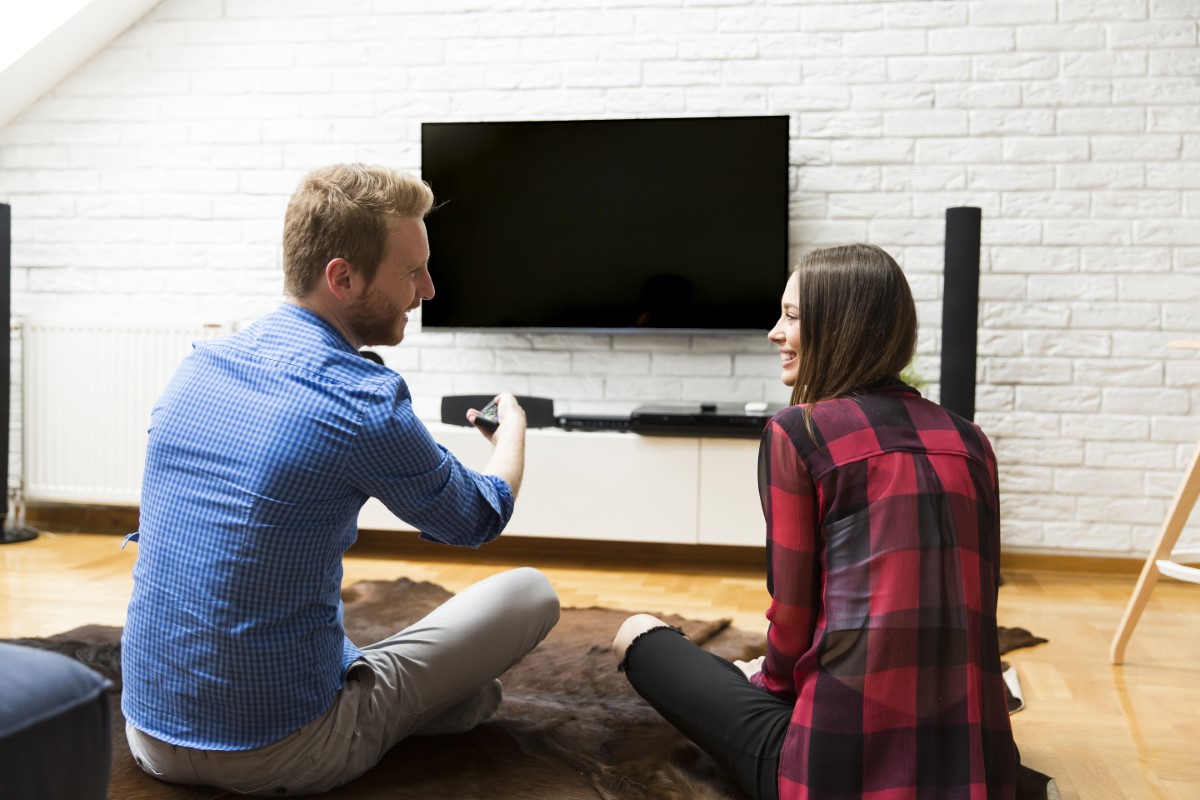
(751, 667)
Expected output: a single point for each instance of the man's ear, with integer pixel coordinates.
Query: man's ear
(341, 278)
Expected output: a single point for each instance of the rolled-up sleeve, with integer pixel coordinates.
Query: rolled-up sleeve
(396, 460)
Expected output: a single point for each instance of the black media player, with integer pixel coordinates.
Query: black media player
(593, 422)
(703, 419)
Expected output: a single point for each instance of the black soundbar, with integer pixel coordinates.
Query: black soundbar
(539, 411)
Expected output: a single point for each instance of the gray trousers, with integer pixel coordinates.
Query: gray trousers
(433, 675)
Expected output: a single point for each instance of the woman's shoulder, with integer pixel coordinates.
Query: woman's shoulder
(851, 427)
(832, 416)
(810, 427)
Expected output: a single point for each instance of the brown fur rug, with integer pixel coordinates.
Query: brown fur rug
(569, 728)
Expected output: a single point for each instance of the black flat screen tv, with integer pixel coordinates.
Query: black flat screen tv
(615, 225)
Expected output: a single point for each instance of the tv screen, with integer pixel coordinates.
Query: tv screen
(611, 225)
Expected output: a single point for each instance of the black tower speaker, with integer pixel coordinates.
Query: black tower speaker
(9, 534)
(960, 310)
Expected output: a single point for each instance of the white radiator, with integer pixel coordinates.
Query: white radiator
(87, 390)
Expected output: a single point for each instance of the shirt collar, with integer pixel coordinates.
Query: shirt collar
(888, 384)
(315, 320)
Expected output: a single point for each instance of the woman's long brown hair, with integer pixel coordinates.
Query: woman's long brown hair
(858, 323)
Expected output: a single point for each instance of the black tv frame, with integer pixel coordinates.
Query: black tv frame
(758, 312)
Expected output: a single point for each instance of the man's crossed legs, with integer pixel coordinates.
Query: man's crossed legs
(439, 675)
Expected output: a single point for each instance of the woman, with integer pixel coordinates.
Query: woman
(882, 672)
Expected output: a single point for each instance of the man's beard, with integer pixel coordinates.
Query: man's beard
(377, 319)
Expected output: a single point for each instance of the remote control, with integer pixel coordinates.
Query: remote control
(488, 419)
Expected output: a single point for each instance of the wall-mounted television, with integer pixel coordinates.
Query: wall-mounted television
(675, 224)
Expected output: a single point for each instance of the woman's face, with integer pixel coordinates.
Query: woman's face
(786, 333)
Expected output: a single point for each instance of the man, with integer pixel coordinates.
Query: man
(263, 448)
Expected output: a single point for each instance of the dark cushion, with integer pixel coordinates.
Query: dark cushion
(55, 739)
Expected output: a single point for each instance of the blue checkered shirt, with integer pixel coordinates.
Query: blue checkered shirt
(262, 450)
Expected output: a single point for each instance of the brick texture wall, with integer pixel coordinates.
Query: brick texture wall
(152, 182)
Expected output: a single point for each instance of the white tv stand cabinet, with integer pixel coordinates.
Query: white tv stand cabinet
(616, 486)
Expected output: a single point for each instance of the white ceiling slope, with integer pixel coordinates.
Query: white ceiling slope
(64, 47)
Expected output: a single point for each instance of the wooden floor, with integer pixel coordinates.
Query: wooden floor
(1101, 731)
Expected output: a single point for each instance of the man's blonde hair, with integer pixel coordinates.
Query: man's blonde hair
(344, 211)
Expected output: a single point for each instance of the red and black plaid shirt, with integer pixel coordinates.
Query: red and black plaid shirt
(883, 564)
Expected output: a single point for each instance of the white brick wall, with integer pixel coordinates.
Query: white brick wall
(152, 182)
